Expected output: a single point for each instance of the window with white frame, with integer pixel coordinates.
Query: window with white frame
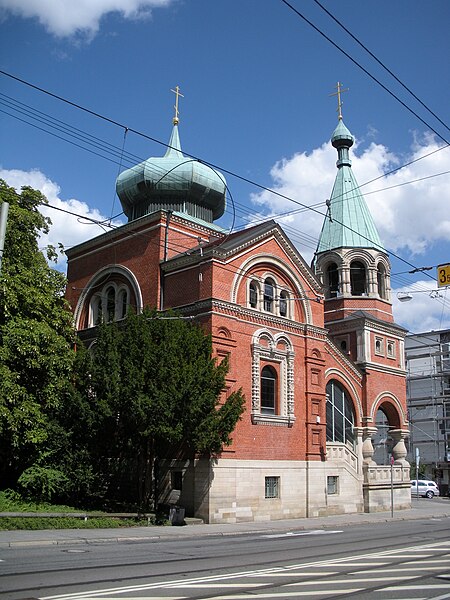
(109, 304)
(340, 414)
(391, 348)
(272, 487)
(358, 278)
(283, 304)
(272, 379)
(253, 294)
(269, 384)
(269, 295)
(379, 346)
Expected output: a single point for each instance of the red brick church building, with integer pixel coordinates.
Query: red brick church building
(314, 349)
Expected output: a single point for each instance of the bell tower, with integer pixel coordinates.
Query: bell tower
(350, 259)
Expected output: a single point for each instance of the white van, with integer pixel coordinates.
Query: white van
(426, 488)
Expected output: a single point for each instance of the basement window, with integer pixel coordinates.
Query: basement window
(332, 485)
(272, 487)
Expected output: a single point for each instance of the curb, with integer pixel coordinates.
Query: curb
(195, 533)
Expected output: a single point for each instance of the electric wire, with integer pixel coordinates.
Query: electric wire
(182, 249)
(303, 206)
(355, 62)
(306, 207)
(382, 64)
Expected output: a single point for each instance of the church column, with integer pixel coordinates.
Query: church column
(399, 451)
(359, 431)
(372, 282)
(367, 446)
(344, 280)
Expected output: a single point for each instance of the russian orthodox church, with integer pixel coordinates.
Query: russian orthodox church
(314, 349)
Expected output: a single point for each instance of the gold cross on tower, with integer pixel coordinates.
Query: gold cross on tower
(177, 93)
(340, 90)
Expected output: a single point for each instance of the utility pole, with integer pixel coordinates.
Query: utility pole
(3, 218)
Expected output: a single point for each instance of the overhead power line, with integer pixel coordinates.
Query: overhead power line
(382, 64)
(207, 163)
(359, 65)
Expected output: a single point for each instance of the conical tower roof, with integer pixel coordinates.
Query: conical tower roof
(348, 223)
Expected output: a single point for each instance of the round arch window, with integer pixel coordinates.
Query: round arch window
(358, 279)
(340, 414)
(268, 390)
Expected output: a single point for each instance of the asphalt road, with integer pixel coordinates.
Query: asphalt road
(382, 560)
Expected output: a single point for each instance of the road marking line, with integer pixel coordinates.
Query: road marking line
(432, 586)
(298, 533)
(299, 574)
(287, 594)
(399, 568)
(211, 586)
(353, 580)
(344, 562)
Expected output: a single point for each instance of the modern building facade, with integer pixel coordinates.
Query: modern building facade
(428, 394)
(315, 350)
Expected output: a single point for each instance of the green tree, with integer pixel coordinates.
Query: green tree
(163, 388)
(36, 335)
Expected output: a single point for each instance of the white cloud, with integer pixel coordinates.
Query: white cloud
(309, 178)
(66, 229)
(65, 18)
(412, 218)
(427, 310)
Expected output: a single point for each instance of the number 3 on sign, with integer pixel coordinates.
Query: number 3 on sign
(443, 275)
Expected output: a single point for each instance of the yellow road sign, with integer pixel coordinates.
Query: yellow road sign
(443, 275)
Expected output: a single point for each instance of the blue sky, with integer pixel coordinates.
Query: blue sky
(256, 80)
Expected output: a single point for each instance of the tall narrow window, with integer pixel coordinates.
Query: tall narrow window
(97, 310)
(253, 299)
(340, 416)
(268, 390)
(332, 281)
(284, 297)
(110, 304)
(269, 288)
(122, 304)
(358, 278)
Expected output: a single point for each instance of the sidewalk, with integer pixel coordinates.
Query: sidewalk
(422, 508)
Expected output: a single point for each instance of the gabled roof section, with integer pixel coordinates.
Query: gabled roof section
(348, 223)
(228, 246)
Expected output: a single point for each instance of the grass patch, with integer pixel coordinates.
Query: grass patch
(11, 501)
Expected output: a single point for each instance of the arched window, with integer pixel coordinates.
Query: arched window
(381, 280)
(340, 415)
(268, 390)
(381, 440)
(110, 304)
(358, 278)
(269, 293)
(122, 304)
(96, 310)
(332, 282)
(253, 294)
(284, 297)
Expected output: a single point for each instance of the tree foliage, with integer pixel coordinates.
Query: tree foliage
(87, 426)
(36, 333)
(162, 388)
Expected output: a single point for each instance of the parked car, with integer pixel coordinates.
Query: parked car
(426, 488)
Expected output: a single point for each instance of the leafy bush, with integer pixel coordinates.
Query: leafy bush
(42, 483)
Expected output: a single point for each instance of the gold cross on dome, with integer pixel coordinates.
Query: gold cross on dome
(177, 93)
(340, 90)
